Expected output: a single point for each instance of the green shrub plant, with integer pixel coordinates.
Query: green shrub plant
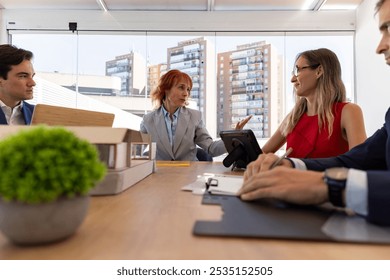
(42, 164)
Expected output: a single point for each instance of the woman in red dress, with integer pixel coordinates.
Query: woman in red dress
(322, 123)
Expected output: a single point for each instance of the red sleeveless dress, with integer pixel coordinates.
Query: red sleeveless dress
(308, 142)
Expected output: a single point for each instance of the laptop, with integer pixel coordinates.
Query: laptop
(56, 115)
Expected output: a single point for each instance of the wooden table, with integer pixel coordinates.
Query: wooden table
(154, 220)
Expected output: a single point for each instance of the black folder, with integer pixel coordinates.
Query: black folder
(271, 218)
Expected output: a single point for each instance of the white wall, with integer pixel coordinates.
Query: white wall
(179, 21)
(372, 73)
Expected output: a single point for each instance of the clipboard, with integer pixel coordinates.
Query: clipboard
(224, 184)
(270, 218)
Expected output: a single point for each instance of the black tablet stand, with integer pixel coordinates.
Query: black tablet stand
(238, 156)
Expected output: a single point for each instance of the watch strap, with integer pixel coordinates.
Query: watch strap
(335, 191)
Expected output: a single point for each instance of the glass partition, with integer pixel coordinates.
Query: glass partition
(234, 73)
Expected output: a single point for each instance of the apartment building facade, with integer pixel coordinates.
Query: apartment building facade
(249, 84)
(131, 69)
(196, 57)
(154, 74)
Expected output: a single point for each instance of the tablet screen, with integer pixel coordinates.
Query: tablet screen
(242, 147)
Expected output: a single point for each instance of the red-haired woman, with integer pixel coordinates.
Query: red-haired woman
(176, 129)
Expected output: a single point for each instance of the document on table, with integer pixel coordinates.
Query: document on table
(216, 184)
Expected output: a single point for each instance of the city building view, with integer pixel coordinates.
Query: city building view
(233, 76)
(130, 68)
(248, 85)
(247, 82)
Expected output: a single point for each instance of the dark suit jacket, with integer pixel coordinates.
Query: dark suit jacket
(27, 111)
(374, 156)
(190, 131)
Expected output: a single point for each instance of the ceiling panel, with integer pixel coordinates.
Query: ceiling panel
(263, 5)
(344, 4)
(50, 4)
(180, 5)
(157, 5)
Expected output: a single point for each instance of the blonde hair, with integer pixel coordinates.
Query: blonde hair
(330, 89)
(166, 82)
(379, 5)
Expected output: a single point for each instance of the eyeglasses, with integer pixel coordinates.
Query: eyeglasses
(297, 69)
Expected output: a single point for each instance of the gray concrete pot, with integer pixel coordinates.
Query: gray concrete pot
(29, 224)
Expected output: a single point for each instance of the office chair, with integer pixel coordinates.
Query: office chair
(202, 155)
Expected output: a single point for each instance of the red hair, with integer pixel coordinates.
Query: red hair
(166, 82)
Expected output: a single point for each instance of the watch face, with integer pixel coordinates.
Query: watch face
(337, 173)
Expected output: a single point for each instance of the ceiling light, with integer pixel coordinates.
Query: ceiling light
(313, 5)
(102, 5)
(319, 5)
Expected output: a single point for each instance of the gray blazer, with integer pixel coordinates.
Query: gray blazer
(190, 132)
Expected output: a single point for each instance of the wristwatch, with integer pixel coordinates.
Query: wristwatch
(336, 179)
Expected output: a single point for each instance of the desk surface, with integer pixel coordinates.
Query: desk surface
(154, 220)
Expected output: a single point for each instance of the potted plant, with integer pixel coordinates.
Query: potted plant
(46, 174)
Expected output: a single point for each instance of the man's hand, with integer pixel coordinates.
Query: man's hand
(287, 184)
(263, 163)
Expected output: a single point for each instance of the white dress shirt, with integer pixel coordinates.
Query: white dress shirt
(356, 190)
(14, 115)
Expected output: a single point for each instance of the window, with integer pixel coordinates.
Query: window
(250, 71)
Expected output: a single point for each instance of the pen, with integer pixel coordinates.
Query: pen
(172, 163)
(279, 160)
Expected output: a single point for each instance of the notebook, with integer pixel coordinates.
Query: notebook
(56, 115)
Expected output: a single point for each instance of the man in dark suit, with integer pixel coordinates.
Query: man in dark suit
(358, 180)
(16, 85)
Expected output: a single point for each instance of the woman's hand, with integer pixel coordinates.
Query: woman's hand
(240, 125)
